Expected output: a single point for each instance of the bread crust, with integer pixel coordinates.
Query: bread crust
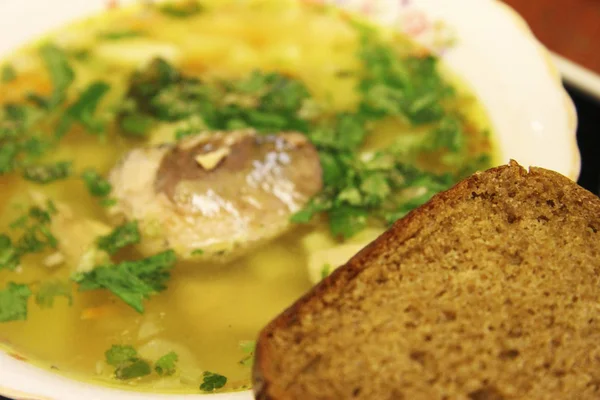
(265, 378)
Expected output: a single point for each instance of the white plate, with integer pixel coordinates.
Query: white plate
(493, 50)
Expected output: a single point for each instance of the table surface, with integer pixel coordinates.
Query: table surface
(571, 28)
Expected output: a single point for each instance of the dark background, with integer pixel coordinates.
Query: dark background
(588, 138)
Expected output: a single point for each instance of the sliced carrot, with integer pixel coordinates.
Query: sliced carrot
(99, 312)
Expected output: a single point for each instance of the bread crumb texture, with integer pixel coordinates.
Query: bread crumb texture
(490, 291)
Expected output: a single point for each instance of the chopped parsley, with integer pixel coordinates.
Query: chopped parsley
(47, 173)
(131, 281)
(8, 73)
(212, 381)
(248, 347)
(181, 9)
(127, 362)
(34, 237)
(325, 271)
(165, 366)
(122, 34)
(13, 302)
(61, 73)
(264, 101)
(122, 236)
(20, 141)
(83, 109)
(45, 295)
(95, 183)
(197, 252)
(9, 256)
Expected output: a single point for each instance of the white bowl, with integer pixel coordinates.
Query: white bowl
(484, 41)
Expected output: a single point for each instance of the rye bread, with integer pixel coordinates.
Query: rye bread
(488, 291)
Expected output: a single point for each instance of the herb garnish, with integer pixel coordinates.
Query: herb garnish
(8, 73)
(131, 281)
(122, 34)
(47, 173)
(181, 9)
(122, 236)
(127, 362)
(35, 236)
(248, 347)
(83, 109)
(13, 302)
(212, 381)
(61, 73)
(95, 183)
(45, 295)
(165, 366)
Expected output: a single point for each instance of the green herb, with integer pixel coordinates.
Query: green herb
(49, 290)
(128, 364)
(20, 142)
(181, 9)
(136, 124)
(47, 173)
(134, 369)
(107, 203)
(13, 302)
(197, 252)
(9, 256)
(248, 347)
(265, 101)
(120, 237)
(118, 355)
(165, 366)
(39, 100)
(131, 281)
(35, 236)
(95, 183)
(325, 271)
(83, 109)
(61, 73)
(212, 381)
(8, 73)
(117, 35)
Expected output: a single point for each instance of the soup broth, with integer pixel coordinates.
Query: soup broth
(210, 312)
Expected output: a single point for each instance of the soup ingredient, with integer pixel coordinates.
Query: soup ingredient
(45, 295)
(35, 236)
(223, 192)
(8, 73)
(47, 173)
(267, 102)
(212, 381)
(13, 302)
(122, 236)
(165, 365)
(128, 364)
(83, 109)
(20, 138)
(60, 71)
(248, 347)
(181, 9)
(131, 281)
(95, 183)
(480, 275)
(9, 256)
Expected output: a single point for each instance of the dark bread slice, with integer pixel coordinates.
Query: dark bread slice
(488, 291)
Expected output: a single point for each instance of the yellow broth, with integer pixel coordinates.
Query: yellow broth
(207, 310)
